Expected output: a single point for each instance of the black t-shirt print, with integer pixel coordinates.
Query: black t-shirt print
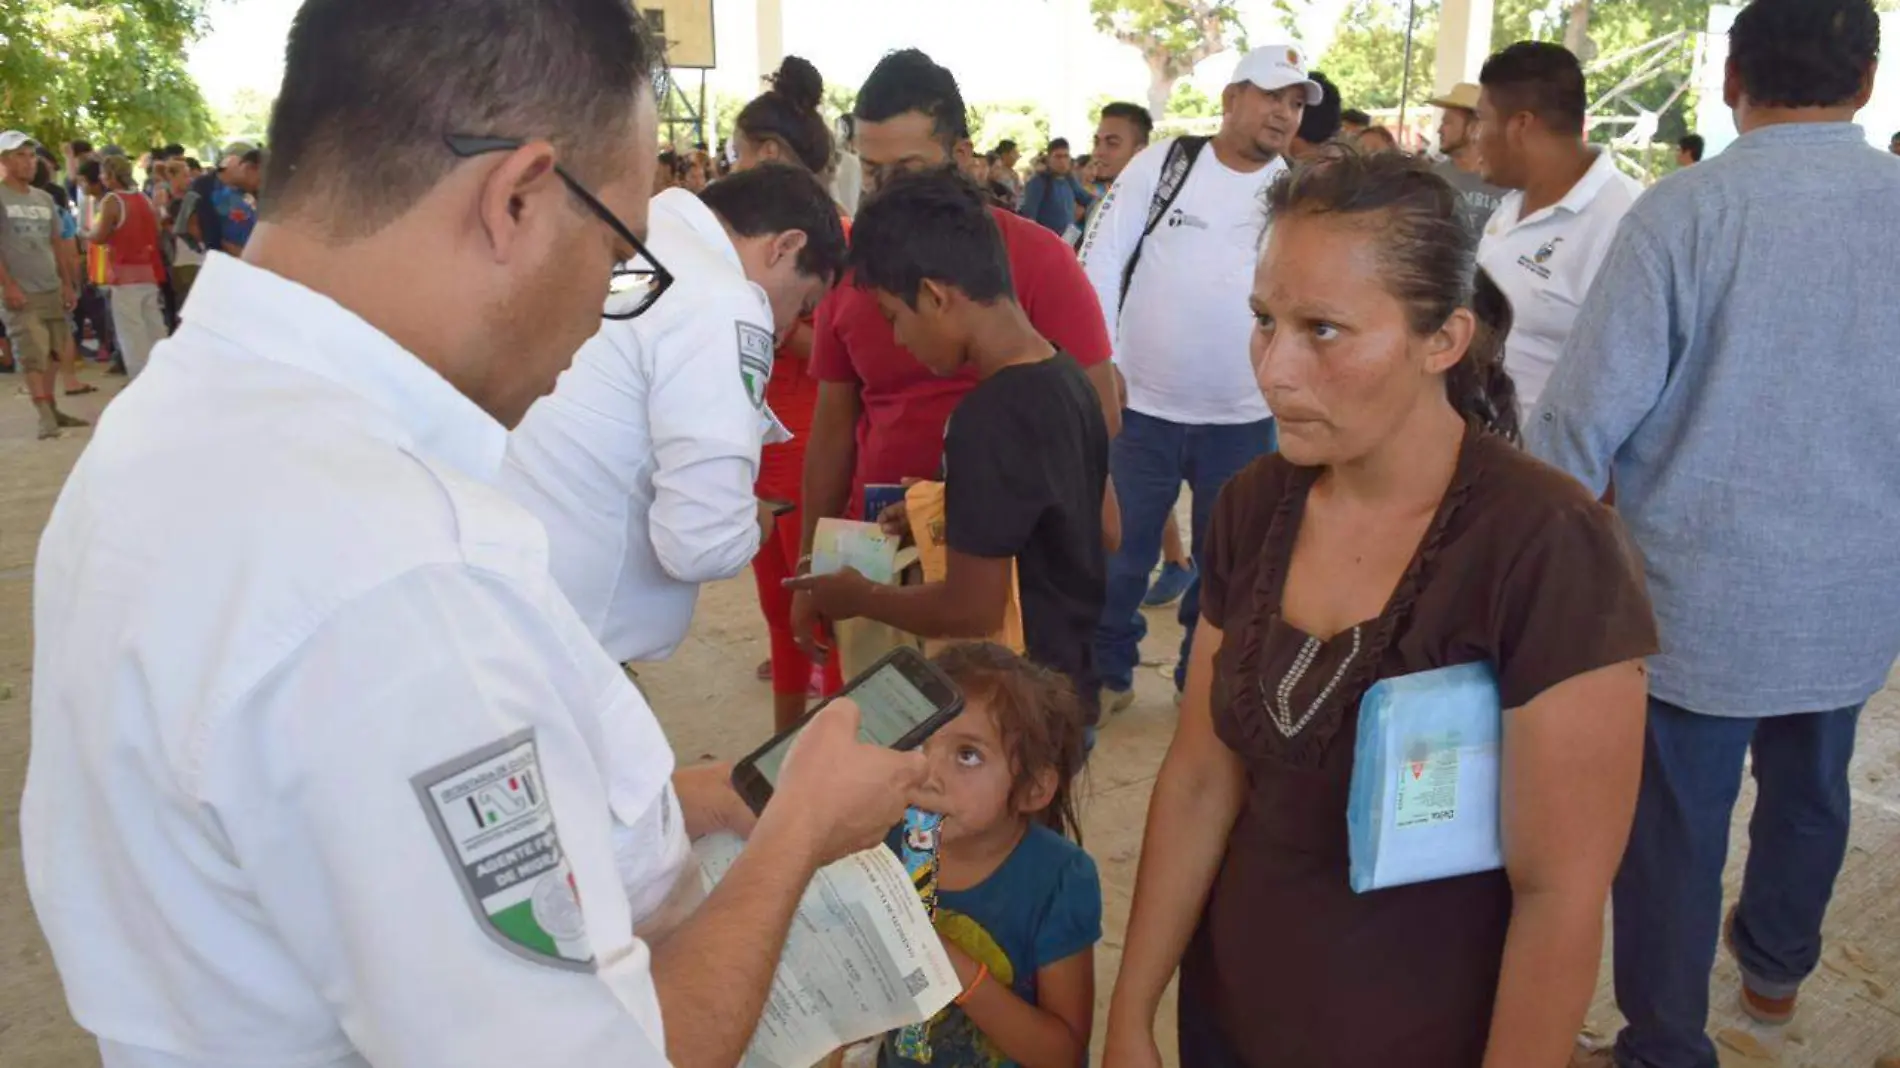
(1025, 463)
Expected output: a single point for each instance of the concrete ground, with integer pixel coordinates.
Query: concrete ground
(713, 708)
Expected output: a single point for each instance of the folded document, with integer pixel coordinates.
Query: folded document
(1424, 799)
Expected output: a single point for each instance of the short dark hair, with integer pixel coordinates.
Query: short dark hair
(1138, 116)
(1539, 77)
(788, 113)
(191, 163)
(907, 81)
(174, 150)
(371, 88)
(1355, 116)
(1005, 145)
(1694, 146)
(91, 171)
(1319, 123)
(1804, 53)
(81, 146)
(773, 198)
(932, 225)
(1060, 143)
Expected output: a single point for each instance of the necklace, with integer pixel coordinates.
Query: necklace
(1282, 714)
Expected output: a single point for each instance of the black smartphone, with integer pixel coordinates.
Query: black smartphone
(904, 699)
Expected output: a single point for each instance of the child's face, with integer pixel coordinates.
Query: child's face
(970, 776)
(920, 330)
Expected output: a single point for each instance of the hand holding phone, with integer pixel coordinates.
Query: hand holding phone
(838, 793)
(899, 703)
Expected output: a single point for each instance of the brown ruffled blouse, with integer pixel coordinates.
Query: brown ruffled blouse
(1520, 567)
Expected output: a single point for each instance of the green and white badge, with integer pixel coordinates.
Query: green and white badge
(755, 360)
(490, 812)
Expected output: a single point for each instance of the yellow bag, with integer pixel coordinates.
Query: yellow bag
(924, 502)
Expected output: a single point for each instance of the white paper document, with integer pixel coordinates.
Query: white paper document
(862, 959)
(864, 547)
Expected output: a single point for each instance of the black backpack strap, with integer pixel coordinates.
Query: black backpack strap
(1174, 174)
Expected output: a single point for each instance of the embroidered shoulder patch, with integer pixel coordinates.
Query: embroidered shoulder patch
(491, 815)
(755, 360)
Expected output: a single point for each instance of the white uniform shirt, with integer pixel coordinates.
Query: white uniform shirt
(1182, 337)
(1545, 264)
(641, 463)
(289, 652)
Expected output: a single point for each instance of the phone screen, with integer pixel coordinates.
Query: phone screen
(891, 706)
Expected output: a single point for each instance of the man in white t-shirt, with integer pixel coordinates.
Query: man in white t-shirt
(1548, 237)
(1171, 254)
(641, 463)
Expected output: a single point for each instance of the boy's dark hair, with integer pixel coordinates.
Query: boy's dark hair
(773, 198)
(932, 225)
(1319, 123)
(255, 157)
(191, 163)
(1694, 146)
(1060, 143)
(907, 81)
(1143, 122)
(1039, 716)
(1005, 145)
(788, 113)
(1804, 53)
(174, 151)
(91, 171)
(1356, 117)
(371, 88)
(1539, 77)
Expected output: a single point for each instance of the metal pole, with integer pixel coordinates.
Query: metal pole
(1405, 85)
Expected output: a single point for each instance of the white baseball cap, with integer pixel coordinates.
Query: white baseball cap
(13, 139)
(1274, 67)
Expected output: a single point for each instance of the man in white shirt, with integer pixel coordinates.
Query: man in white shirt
(325, 771)
(1171, 255)
(641, 463)
(1546, 240)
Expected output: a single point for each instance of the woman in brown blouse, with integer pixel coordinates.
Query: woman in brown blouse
(1398, 530)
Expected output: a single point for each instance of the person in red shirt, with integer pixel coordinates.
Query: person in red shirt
(783, 125)
(880, 414)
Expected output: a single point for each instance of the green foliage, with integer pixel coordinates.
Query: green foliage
(1020, 121)
(1616, 26)
(839, 99)
(245, 117)
(1178, 27)
(1367, 58)
(110, 71)
(1187, 102)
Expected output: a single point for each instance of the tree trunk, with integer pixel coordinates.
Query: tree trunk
(1160, 89)
(1578, 31)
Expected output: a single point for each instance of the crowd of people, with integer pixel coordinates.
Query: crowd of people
(366, 541)
(99, 247)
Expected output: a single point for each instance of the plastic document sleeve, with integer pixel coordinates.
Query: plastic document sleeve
(1424, 797)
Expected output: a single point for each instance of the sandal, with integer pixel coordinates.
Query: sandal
(84, 389)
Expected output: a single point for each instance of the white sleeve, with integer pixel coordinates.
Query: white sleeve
(704, 411)
(416, 810)
(1116, 230)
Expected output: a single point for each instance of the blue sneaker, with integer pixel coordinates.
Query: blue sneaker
(1169, 586)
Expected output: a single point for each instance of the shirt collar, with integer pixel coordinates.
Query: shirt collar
(1803, 133)
(691, 212)
(274, 318)
(1599, 175)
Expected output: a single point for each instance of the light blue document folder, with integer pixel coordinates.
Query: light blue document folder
(1424, 800)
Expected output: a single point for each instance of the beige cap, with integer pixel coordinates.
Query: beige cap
(1463, 95)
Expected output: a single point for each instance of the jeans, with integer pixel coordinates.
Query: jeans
(1668, 893)
(1148, 462)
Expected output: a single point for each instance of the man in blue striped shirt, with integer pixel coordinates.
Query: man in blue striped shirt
(1736, 372)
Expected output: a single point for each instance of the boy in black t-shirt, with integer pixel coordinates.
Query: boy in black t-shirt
(1025, 453)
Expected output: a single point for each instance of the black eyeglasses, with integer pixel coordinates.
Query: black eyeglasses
(636, 284)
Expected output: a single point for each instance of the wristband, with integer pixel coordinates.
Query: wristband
(982, 973)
